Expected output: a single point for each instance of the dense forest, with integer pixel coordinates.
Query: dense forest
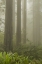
(20, 31)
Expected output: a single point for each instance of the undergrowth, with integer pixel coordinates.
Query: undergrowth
(14, 58)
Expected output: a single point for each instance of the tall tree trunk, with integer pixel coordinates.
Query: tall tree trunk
(36, 21)
(8, 27)
(13, 17)
(24, 21)
(13, 21)
(18, 22)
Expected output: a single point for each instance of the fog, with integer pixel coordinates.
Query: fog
(21, 27)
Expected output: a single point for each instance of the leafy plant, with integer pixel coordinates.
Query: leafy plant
(14, 58)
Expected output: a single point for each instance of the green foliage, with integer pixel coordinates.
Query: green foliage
(14, 58)
(29, 50)
(10, 58)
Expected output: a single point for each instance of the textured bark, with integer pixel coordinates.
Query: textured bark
(36, 21)
(18, 23)
(13, 17)
(24, 21)
(8, 27)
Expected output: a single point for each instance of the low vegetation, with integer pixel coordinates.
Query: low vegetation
(14, 58)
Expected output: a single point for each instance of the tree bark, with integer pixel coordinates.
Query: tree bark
(18, 36)
(8, 27)
(36, 22)
(24, 21)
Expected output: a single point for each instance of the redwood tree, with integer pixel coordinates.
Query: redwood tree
(8, 27)
(24, 21)
(36, 21)
(18, 35)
